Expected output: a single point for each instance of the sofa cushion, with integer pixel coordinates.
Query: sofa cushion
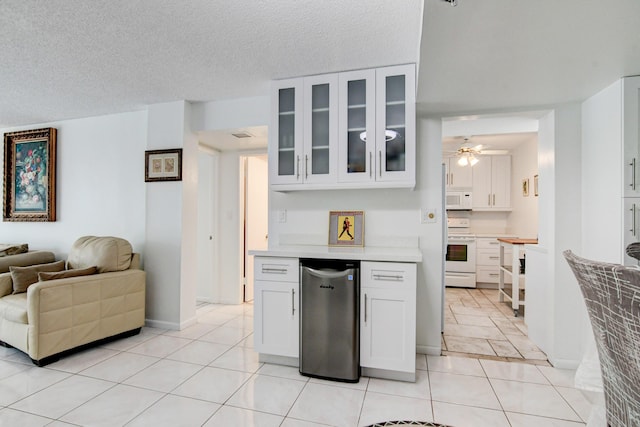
(22, 277)
(14, 308)
(10, 249)
(107, 253)
(26, 259)
(76, 272)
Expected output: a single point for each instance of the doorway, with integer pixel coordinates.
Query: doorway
(255, 174)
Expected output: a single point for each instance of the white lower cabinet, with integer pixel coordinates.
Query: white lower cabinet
(488, 260)
(276, 303)
(388, 317)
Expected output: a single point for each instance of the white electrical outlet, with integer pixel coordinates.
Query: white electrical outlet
(282, 216)
(428, 216)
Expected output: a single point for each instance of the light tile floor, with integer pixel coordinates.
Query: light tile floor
(478, 325)
(209, 375)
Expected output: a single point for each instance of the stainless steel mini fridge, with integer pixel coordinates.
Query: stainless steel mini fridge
(329, 319)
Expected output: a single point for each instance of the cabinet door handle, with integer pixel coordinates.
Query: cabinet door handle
(451, 178)
(365, 308)
(489, 200)
(293, 307)
(633, 219)
(306, 167)
(380, 161)
(297, 167)
(387, 277)
(494, 257)
(274, 270)
(633, 174)
(494, 199)
(493, 274)
(370, 163)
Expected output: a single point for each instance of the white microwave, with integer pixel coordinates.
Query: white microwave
(458, 200)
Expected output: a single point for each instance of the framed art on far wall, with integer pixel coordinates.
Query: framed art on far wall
(346, 228)
(30, 175)
(163, 165)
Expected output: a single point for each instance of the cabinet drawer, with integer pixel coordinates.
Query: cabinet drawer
(276, 269)
(488, 257)
(388, 275)
(490, 274)
(487, 243)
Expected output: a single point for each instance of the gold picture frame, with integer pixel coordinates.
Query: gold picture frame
(525, 187)
(163, 165)
(30, 175)
(346, 228)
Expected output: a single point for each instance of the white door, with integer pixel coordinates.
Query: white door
(207, 287)
(256, 214)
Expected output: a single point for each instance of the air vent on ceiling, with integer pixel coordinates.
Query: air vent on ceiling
(242, 135)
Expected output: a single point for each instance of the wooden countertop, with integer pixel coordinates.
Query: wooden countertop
(518, 241)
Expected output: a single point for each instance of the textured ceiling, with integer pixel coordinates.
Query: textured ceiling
(66, 59)
(76, 58)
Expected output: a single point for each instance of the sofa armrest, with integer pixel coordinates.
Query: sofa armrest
(66, 313)
(6, 284)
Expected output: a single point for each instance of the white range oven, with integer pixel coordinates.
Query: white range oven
(460, 260)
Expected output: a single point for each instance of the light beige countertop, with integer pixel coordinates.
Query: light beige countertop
(354, 253)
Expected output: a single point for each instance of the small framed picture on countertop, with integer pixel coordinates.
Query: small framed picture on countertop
(525, 187)
(346, 228)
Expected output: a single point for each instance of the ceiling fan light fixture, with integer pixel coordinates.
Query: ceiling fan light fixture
(473, 160)
(389, 135)
(462, 161)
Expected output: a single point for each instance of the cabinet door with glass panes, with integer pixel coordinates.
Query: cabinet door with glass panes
(356, 124)
(320, 129)
(286, 133)
(395, 123)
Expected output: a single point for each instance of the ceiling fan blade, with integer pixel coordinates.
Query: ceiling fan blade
(493, 152)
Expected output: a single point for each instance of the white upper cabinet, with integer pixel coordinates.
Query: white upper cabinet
(320, 128)
(457, 177)
(396, 124)
(304, 130)
(631, 135)
(349, 130)
(285, 136)
(357, 120)
(492, 183)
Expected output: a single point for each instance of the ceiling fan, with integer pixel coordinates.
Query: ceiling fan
(468, 153)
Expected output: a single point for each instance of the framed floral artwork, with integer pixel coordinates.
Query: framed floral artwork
(30, 175)
(163, 165)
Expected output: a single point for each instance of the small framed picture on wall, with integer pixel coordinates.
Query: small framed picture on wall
(163, 165)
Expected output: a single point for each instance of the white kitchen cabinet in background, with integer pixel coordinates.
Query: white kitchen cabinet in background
(488, 260)
(631, 225)
(457, 177)
(492, 183)
(388, 319)
(276, 303)
(631, 135)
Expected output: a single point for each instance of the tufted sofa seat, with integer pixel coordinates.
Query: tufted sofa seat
(59, 315)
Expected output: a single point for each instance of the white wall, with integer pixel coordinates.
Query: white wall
(388, 214)
(523, 219)
(100, 184)
(171, 222)
(602, 175)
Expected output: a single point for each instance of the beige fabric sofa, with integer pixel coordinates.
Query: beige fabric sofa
(55, 317)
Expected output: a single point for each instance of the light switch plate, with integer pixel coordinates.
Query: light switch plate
(428, 215)
(282, 216)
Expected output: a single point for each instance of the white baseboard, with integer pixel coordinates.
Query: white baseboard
(564, 363)
(172, 326)
(428, 349)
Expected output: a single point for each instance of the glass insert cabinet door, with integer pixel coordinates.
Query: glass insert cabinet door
(395, 91)
(285, 147)
(320, 128)
(357, 137)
